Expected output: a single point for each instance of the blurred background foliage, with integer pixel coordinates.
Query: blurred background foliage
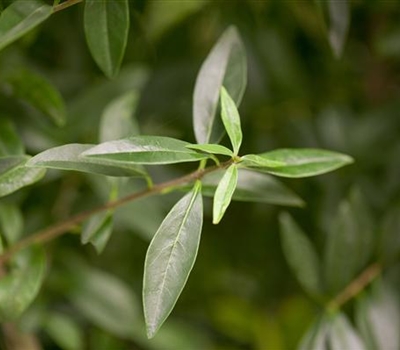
(241, 293)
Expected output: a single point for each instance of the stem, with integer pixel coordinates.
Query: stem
(65, 5)
(355, 287)
(61, 228)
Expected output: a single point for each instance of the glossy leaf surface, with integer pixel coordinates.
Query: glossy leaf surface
(256, 161)
(145, 150)
(212, 148)
(170, 258)
(106, 26)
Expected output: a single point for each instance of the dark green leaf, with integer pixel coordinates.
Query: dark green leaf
(39, 93)
(225, 65)
(339, 15)
(10, 144)
(11, 222)
(300, 255)
(223, 193)
(212, 148)
(21, 17)
(170, 258)
(231, 119)
(15, 175)
(68, 157)
(21, 285)
(97, 230)
(106, 28)
(145, 150)
(342, 335)
(303, 162)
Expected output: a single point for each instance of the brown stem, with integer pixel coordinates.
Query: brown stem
(61, 228)
(65, 5)
(355, 287)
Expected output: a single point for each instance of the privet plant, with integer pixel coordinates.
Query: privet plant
(222, 173)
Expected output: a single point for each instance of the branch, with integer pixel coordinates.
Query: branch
(61, 228)
(65, 5)
(355, 287)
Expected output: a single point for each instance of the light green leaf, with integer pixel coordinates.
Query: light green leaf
(342, 335)
(68, 157)
(225, 65)
(15, 175)
(117, 120)
(300, 255)
(11, 222)
(145, 150)
(303, 162)
(224, 192)
(10, 143)
(170, 258)
(339, 16)
(106, 26)
(97, 230)
(39, 93)
(212, 148)
(316, 337)
(21, 285)
(64, 331)
(21, 17)
(255, 161)
(231, 119)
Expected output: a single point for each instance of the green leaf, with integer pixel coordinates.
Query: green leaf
(231, 119)
(342, 335)
(303, 162)
(316, 337)
(97, 230)
(39, 93)
(170, 258)
(21, 285)
(224, 192)
(300, 255)
(225, 65)
(339, 15)
(106, 26)
(15, 175)
(349, 244)
(10, 143)
(64, 331)
(117, 120)
(212, 148)
(21, 17)
(11, 222)
(68, 157)
(145, 150)
(255, 161)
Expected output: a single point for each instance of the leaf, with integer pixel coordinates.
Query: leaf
(255, 161)
(339, 15)
(300, 255)
(117, 120)
(145, 150)
(97, 230)
(15, 175)
(303, 162)
(342, 335)
(11, 222)
(316, 337)
(225, 65)
(64, 331)
(211, 148)
(21, 17)
(224, 192)
(68, 157)
(106, 26)
(170, 258)
(39, 93)
(231, 119)
(21, 285)
(10, 143)
(350, 242)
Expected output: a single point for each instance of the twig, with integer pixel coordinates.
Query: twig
(65, 5)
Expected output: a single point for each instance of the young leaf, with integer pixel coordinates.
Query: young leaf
(21, 285)
(303, 162)
(300, 255)
(339, 15)
(97, 230)
(15, 175)
(255, 161)
(342, 335)
(11, 222)
(106, 28)
(21, 17)
(39, 93)
(212, 148)
(68, 157)
(231, 119)
(145, 150)
(224, 192)
(10, 143)
(225, 65)
(170, 258)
